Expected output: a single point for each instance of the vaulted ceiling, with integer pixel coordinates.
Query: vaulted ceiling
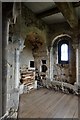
(56, 12)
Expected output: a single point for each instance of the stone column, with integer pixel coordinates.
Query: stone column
(48, 64)
(51, 64)
(5, 26)
(17, 53)
(79, 64)
(76, 47)
(18, 49)
(0, 59)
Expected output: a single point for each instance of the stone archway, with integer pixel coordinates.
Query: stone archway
(56, 70)
(51, 52)
(37, 40)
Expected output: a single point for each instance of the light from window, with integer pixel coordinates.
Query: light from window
(64, 52)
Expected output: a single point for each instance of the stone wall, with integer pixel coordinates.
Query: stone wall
(12, 93)
(1, 59)
(65, 72)
(79, 64)
(25, 57)
(14, 58)
(27, 22)
(58, 29)
(30, 19)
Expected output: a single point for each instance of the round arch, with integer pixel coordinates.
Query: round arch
(59, 37)
(55, 41)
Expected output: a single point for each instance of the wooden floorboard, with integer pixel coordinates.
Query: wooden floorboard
(45, 103)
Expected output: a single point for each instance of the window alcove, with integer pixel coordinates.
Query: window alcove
(63, 52)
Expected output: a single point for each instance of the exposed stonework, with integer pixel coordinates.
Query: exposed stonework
(79, 64)
(62, 28)
(28, 22)
(17, 56)
(65, 72)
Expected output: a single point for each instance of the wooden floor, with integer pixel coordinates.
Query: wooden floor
(44, 103)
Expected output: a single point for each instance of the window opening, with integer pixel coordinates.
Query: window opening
(32, 64)
(64, 52)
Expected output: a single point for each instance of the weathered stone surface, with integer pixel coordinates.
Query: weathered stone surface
(27, 22)
(65, 72)
(68, 12)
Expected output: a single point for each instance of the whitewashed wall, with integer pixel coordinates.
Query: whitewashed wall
(25, 57)
(12, 93)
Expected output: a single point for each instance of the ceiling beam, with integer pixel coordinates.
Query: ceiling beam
(49, 12)
(76, 4)
(54, 10)
(68, 12)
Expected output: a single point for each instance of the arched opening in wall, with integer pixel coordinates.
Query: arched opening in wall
(63, 60)
(63, 52)
(27, 67)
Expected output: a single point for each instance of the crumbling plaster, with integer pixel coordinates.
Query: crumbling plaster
(27, 22)
(13, 49)
(55, 31)
(25, 57)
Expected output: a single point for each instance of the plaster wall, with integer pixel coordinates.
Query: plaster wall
(12, 91)
(25, 57)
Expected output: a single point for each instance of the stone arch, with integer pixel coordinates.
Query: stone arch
(55, 41)
(34, 34)
(54, 35)
(35, 39)
(58, 37)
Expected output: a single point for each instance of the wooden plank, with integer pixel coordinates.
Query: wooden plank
(72, 108)
(62, 108)
(76, 112)
(44, 103)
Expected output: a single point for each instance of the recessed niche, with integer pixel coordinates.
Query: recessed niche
(31, 64)
(43, 61)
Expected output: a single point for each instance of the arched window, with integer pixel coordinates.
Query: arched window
(63, 52)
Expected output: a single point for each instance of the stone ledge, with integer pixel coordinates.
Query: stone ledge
(64, 87)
